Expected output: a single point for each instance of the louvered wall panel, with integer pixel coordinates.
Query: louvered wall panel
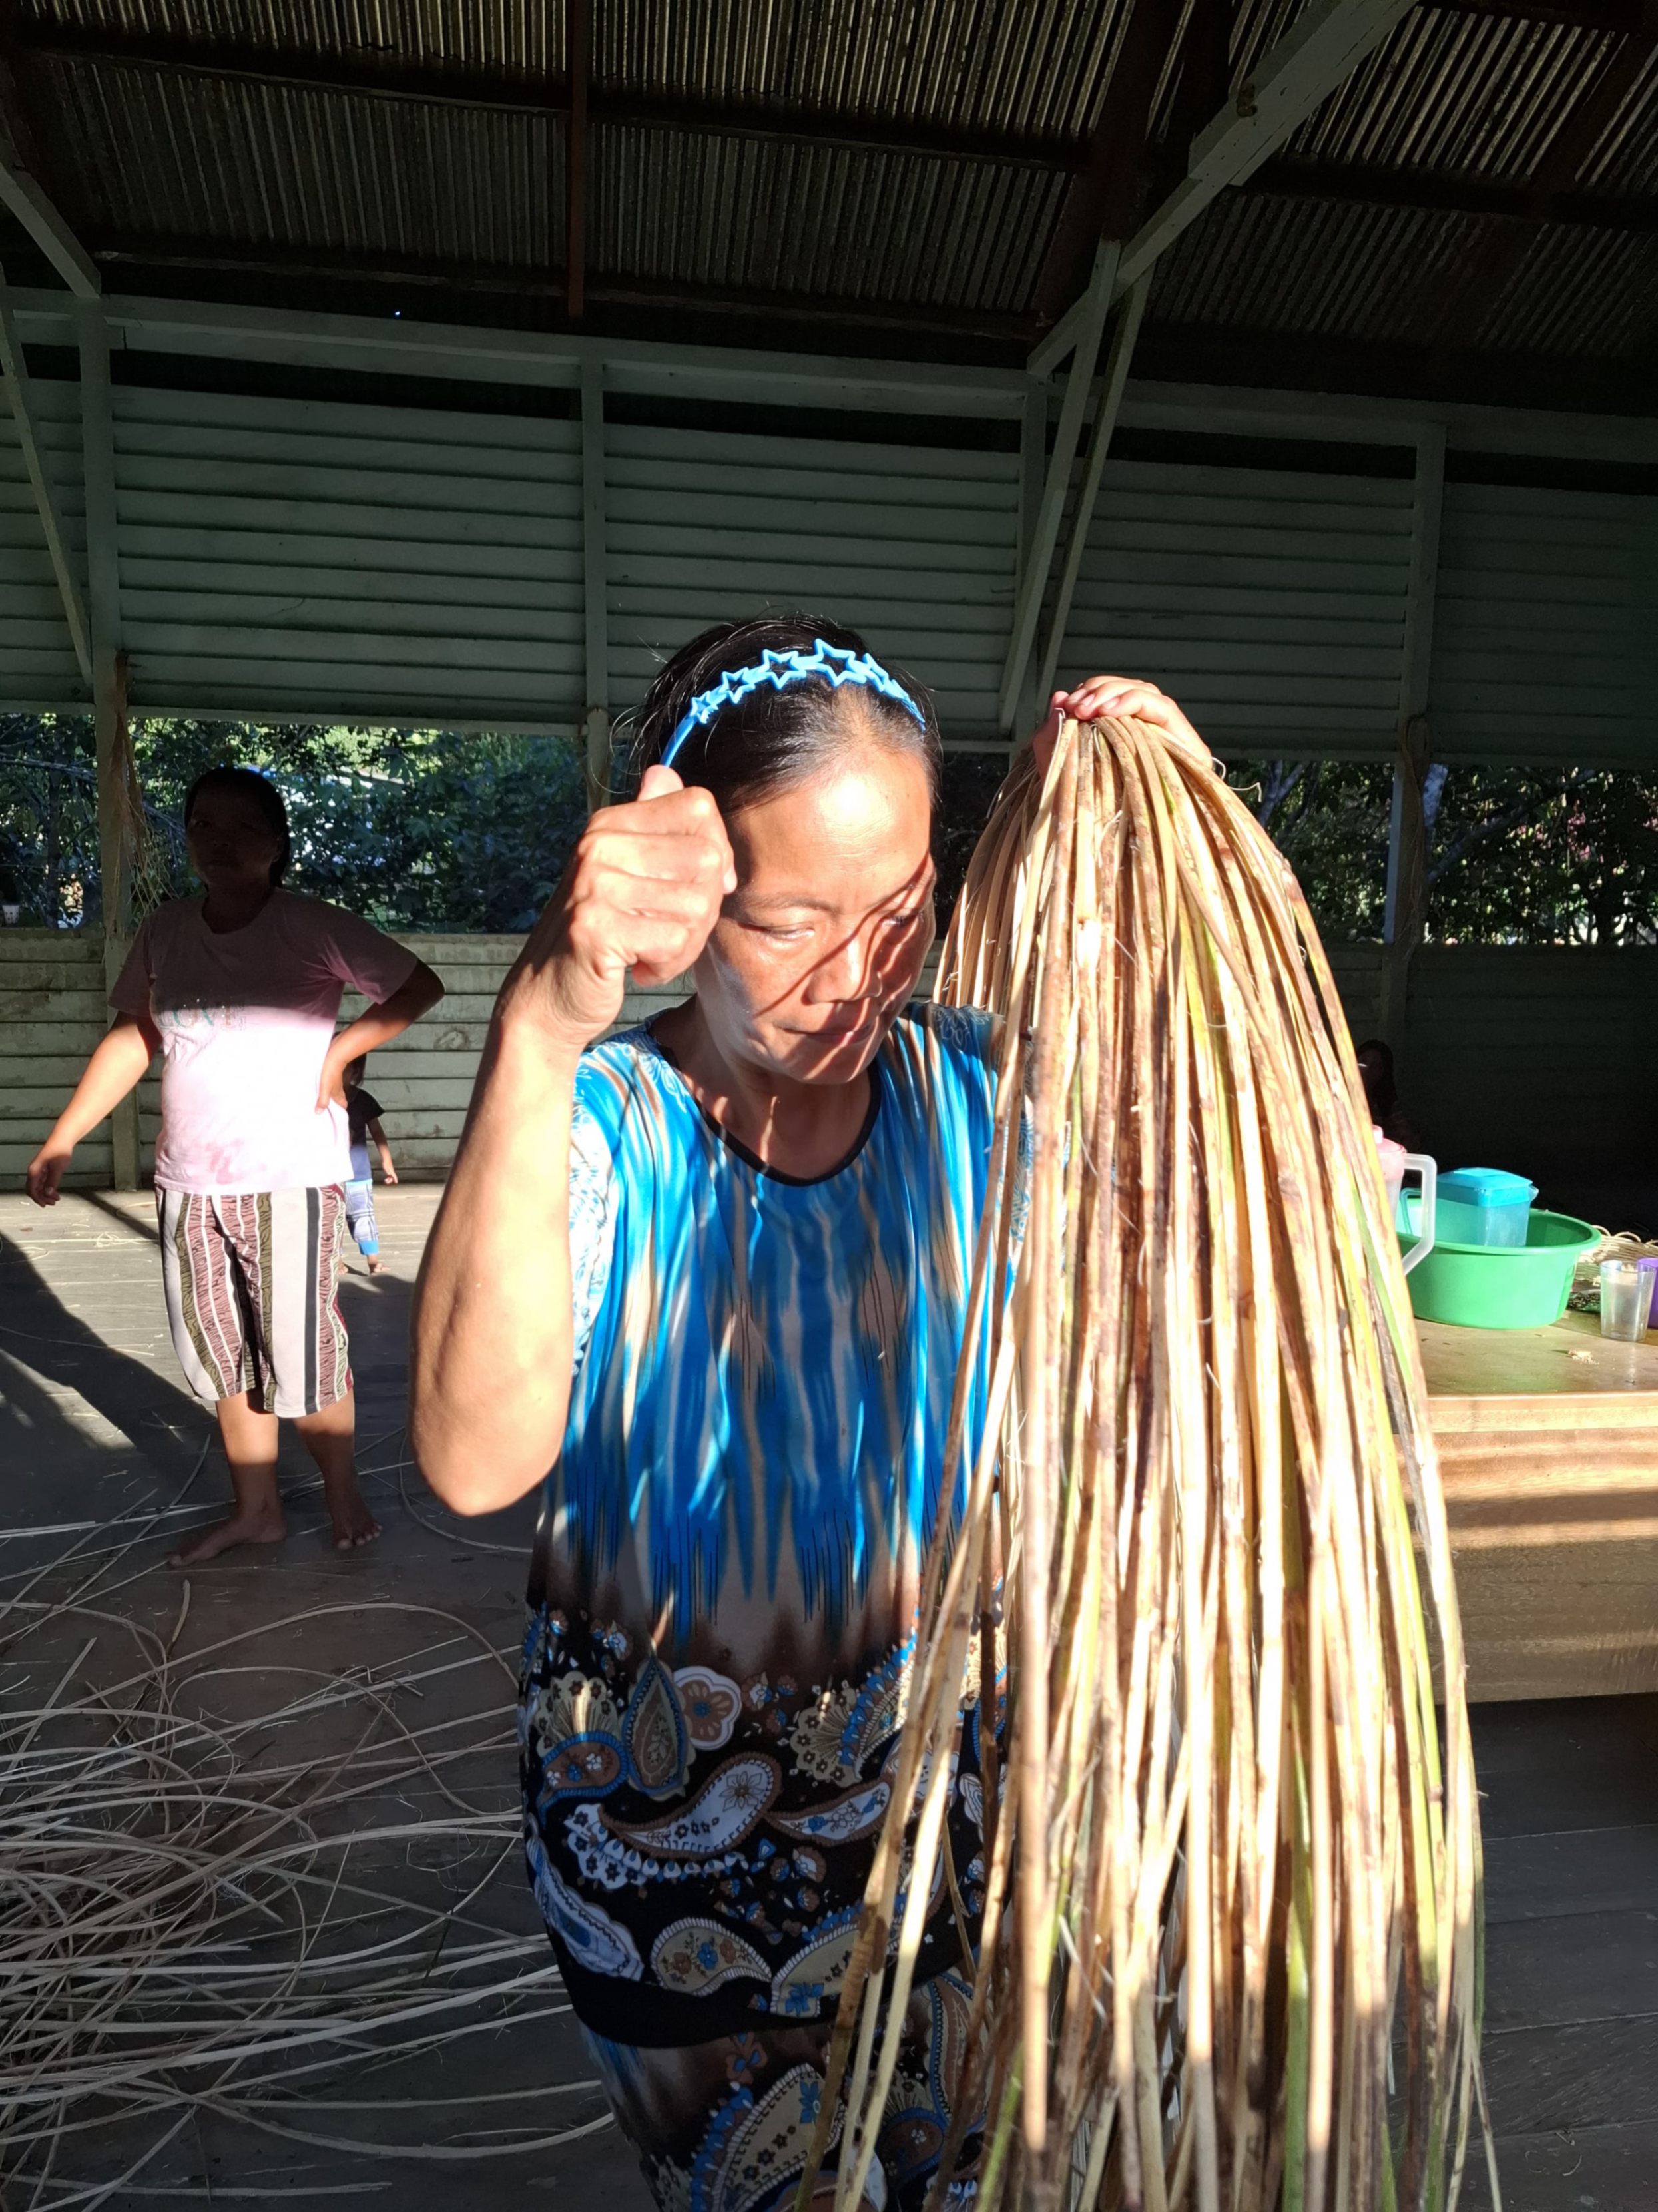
(1271, 604)
(53, 1011)
(1545, 637)
(37, 667)
(913, 546)
(285, 556)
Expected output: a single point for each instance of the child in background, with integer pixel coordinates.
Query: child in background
(362, 1113)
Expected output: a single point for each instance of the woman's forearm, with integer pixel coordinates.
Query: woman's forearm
(114, 1067)
(378, 1025)
(118, 1063)
(489, 1369)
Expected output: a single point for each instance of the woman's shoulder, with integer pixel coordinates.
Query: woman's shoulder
(170, 915)
(302, 916)
(174, 922)
(627, 1070)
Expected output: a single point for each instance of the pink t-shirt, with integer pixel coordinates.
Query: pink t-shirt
(246, 1017)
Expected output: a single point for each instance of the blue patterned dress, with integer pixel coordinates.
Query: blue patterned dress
(727, 1561)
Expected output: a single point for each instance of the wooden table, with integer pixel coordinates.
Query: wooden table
(1548, 1446)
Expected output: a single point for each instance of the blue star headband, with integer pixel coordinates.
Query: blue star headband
(837, 662)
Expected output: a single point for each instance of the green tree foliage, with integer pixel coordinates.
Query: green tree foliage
(1329, 818)
(1515, 856)
(48, 818)
(415, 830)
(1540, 856)
(421, 830)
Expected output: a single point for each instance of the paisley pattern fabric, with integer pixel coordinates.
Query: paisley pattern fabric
(726, 1566)
(725, 2126)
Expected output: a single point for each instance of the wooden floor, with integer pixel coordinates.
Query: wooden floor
(1569, 1808)
(94, 1422)
(92, 1418)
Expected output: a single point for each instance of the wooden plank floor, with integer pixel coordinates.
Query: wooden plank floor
(1570, 1806)
(92, 1418)
(94, 1422)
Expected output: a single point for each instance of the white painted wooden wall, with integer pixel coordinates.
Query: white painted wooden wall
(1270, 603)
(331, 559)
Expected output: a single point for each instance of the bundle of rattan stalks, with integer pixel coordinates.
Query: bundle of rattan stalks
(1231, 1941)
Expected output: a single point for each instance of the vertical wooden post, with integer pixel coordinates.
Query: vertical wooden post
(109, 693)
(1405, 919)
(596, 674)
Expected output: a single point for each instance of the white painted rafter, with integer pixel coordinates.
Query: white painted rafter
(15, 386)
(1124, 331)
(23, 197)
(1038, 556)
(1315, 55)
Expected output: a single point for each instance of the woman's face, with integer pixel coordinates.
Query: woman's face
(821, 944)
(231, 847)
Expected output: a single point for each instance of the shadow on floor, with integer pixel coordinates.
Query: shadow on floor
(139, 1225)
(160, 1420)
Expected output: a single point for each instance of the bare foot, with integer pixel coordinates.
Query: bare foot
(377, 1267)
(354, 1524)
(264, 1525)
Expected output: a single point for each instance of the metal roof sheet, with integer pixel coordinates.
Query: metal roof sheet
(734, 213)
(903, 158)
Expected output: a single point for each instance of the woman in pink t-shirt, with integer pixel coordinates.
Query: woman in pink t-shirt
(239, 992)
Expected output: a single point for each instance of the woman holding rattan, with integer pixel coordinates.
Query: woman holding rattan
(713, 1273)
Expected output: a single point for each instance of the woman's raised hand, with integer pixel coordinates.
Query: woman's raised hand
(643, 890)
(1128, 696)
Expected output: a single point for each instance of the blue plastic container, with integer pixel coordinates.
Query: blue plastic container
(1482, 1206)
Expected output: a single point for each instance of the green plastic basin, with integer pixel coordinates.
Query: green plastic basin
(1502, 1286)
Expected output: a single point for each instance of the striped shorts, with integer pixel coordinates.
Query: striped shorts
(250, 1284)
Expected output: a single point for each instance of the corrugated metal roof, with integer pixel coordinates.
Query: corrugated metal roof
(1039, 67)
(1627, 159)
(188, 158)
(1374, 273)
(735, 213)
(521, 35)
(1480, 95)
(1394, 276)
(427, 139)
(1587, 294)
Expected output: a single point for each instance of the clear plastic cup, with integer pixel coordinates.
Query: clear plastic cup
(1625, 1299)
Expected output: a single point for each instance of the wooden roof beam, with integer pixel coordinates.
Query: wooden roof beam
(418, 279)
(1289, 177)
(1100, 203)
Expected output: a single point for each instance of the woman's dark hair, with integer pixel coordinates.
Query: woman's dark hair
(248, 783)
(1375, 1068)
(774, 737)
(1376, 1065)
